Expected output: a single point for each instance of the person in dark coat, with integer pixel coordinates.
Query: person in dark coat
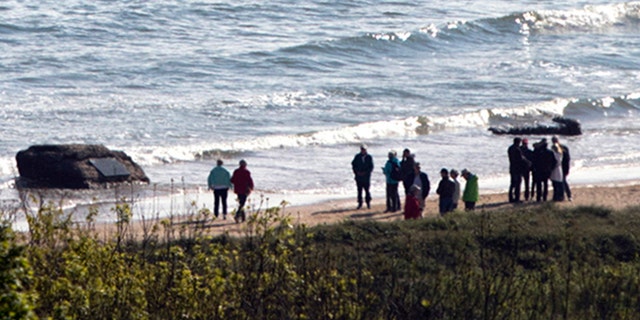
(446, 188)
(517, 164)
(566, 165)
(543, 163)
(362, 166)
(242, 186)
(526, 171)
(407, 170)
(421, 180)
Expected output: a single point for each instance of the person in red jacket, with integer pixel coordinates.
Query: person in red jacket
(242, 186)
(412, 204)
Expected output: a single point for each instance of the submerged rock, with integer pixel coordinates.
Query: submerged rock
(566, 127)
(75, 166)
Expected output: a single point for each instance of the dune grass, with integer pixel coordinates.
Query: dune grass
(540, 262)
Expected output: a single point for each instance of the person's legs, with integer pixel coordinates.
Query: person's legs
(242, 198)
(534, 180)
(445, 205)
(360, 187)
(216, 202)
(469, 206)
(545, 189)
(223, 197)
(393, 201)
(398, 205)
(367, 197)
(558, 191)
(525, 178)
(567, 190)
(390, 198)
(514, 188)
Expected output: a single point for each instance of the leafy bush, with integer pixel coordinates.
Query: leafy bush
(538, 263)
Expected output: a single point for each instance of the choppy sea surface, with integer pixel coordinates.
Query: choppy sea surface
(294, 87)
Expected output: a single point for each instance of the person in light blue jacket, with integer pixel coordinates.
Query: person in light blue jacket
(392, 165)
(219, 181)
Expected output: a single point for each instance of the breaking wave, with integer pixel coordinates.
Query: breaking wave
(583, 109)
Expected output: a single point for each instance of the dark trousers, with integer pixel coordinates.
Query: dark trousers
(526, 177)
(514, 188)
(469, 206)
(363, 185)
(542, 188)
(240, 215)
(393, 199)
(220, 195)
(567, 190)
(558, 190)
(446, 205)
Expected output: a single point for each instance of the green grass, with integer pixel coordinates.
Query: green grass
(538, 262)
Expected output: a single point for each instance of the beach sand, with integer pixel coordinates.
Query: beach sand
(335, 211)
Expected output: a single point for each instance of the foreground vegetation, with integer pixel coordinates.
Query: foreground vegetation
(539, 262)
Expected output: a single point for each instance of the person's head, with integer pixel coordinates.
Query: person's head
(243, 163)
(406, 153)
(415, 190)
(416, 167)
(444, 173)
(465, 174)
(554, 139)
(392, 154)
(454, 173)
(517, 141)
(219, 162)
(525, 142)
(363, 148)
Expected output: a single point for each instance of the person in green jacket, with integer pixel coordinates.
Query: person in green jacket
(471, 194)
(219, 181)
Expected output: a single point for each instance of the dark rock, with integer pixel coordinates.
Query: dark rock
(74, 166)
(566, 127)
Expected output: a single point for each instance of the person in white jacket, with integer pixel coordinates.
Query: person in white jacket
(557, 177)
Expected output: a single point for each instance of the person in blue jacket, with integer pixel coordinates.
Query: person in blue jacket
(393, 198)
(219, 181)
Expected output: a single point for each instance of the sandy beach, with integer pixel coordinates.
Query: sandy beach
(335, 211)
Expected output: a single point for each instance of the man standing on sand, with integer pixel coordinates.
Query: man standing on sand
(543, 163)
(407, 167)
(219, 181)
(517, 163)
(566, 165)
(362, 166)
(471, 193)
(446, 188)
(421, 180)
(526, 171)
(242, 186)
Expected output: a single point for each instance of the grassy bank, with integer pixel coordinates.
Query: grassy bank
(538, 262)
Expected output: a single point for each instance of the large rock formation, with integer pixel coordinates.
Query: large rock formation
(75, 166)
(566, 126)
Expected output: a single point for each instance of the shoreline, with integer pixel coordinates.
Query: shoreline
(339, 210)
(310, 209)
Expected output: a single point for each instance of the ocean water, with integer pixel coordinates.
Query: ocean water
(294, 87)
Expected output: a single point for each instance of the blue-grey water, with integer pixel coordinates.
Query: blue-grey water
(294, 87)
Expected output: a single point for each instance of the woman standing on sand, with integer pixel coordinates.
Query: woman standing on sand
(557, 177)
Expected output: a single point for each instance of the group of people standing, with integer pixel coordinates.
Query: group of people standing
(415, 182)
(542, 164)
(220, 181)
